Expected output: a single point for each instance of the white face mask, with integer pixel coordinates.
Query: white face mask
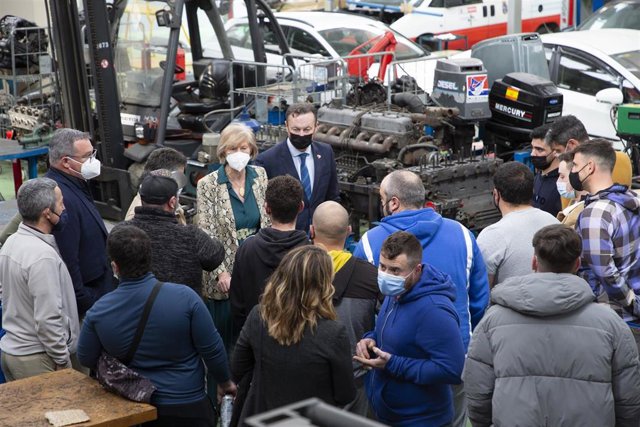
(238, 160)
(89, 169)
(562, 190)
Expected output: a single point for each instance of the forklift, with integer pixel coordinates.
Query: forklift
(118, 65)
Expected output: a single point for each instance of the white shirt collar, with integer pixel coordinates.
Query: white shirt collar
(295, 152)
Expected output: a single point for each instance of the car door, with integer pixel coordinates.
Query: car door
(579, 76)
(299, 39)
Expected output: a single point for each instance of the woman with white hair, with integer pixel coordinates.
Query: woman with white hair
(230, 208)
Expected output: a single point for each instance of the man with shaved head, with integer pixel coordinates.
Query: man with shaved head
(355, 282)
(447, 245)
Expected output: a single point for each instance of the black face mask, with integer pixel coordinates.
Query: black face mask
(575, 181)
(540, 162)
(301, 142)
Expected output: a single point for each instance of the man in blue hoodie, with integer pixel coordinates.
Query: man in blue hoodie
(416, 350)
(610, 229)
(447, 245)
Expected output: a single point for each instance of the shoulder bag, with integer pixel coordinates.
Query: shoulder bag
(116, 376)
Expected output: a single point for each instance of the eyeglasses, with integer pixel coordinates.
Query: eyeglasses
(87, 157)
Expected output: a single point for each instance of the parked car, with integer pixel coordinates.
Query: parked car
(617, 14)
(327, 34)
(584, 63)
(320, 35)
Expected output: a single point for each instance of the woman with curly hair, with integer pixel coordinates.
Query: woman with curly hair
(292, 341)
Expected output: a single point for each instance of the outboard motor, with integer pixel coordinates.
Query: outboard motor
(520, 102)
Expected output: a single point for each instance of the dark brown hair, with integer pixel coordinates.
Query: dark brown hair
(301, 108)
(514, 182)
(557, 247)
(564, 129)
(130, 248)
(283, 196)
(599, 150)
(402, 242)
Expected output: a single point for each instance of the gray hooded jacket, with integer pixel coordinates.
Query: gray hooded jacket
(546, 355)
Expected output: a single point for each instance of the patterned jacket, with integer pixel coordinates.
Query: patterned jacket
(610, 230)
(215, 216)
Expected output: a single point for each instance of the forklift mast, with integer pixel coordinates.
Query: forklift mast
(91, 98)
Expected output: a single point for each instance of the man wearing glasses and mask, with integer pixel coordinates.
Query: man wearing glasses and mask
(82, 239)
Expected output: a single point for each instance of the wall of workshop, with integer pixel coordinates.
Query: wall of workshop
(33, 10)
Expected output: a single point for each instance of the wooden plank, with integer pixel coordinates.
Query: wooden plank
(24, 402)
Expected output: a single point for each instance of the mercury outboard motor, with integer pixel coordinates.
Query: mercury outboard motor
(520, 102)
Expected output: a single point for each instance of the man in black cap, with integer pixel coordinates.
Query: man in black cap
(179, 252)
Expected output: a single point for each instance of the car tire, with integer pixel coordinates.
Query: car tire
(547, 28)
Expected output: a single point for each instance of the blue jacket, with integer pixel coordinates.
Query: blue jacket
(277, 161)
(83, 241)
(420, 330)
(449, 247)
(178, 338)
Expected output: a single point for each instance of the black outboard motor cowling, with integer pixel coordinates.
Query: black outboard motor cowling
(520, 102)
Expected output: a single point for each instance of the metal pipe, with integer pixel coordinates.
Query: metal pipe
(215, 19)
(358, 145)
(169, 72)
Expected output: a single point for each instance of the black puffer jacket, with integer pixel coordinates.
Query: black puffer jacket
(546, 354)
(179, 252)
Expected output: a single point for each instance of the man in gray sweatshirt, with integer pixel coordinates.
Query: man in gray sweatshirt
(546, 354)
(39, 312)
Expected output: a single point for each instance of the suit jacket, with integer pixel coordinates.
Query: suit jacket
(278, 161)
(83, 241)
(215, 216)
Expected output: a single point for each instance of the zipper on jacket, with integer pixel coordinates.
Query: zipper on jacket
(379, 345)
(385, 322)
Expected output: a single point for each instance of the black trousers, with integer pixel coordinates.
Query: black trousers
(197, 414)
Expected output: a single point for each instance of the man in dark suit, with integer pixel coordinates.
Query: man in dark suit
(83, 237)
(312, 162)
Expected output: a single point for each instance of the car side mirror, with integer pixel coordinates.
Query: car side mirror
(611, 96)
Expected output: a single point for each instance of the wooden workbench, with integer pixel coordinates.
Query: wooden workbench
(24, 402)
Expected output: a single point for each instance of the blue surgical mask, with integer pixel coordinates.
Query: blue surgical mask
(63, 218)
(391, 285)
(562, 190)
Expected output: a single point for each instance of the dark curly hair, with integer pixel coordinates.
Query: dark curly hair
(283, 196)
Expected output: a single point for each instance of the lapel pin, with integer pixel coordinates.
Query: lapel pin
(318, 156)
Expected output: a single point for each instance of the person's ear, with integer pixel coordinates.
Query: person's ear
(267, 209)
(312, 232)
(534, 263)
(301, 207)
(349, 231)
(572, 144)
(576, 265)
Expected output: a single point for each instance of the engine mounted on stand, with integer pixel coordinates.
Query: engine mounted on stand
(431, 138)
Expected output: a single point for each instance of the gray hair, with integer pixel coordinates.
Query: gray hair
(61, 144)
(34, 196)
(407, 187)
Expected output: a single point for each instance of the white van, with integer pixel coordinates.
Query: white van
(473, 20)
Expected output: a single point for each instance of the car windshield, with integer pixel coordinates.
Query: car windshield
(344, 40)
(619, 15)
(629, 60)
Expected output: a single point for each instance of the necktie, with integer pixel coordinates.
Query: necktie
(304, 175)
